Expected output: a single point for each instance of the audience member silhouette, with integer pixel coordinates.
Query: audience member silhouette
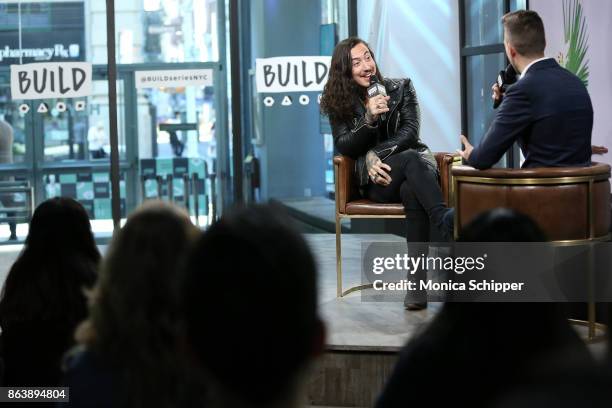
(250, 305)
(472, 351)
(43, 298)
(568, 386)
(129, 344)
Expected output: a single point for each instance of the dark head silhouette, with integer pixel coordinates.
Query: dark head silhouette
(250, 293)
(502, 225)
(59, 258)
(488, 347)
(43, 297)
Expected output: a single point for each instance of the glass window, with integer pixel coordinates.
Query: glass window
(92, 188)
(82, 134)
(67, 143)
(97, 122)
(518, 5)
(50, 31)
(12, 128)
(182, 123)
(482, 70)
(155, 31)
(483, 22)
(36, 32)
(336, 11)
(174, 31)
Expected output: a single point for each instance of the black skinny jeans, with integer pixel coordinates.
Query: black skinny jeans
(414, 183)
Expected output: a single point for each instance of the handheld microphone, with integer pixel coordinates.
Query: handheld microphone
(377, 88)
(504, 80)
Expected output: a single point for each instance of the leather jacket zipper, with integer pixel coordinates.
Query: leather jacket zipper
(361, 122)
(392, 148)
(396, 120)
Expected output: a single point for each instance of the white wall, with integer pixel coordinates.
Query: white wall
(598, 16)
(420, 40)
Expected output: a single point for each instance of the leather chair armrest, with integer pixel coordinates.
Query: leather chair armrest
(569, 203)
(596, 169)
(445, 162)
(343, 167)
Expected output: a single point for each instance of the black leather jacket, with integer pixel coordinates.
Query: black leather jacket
(400, 130)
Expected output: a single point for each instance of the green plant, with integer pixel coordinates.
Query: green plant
(574, 23)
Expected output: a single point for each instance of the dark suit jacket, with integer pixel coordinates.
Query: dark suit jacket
(549, 113)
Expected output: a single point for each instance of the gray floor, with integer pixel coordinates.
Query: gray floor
(8, 254)
(318, 213)
(313, 207)
(353, 324)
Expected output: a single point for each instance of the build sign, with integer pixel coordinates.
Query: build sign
(51, 80)
(283, 75)
(292, 74)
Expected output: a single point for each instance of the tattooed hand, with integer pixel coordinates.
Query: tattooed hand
(377, 170)
(376, 106)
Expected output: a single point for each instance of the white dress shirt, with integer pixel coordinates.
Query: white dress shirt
(531, 63)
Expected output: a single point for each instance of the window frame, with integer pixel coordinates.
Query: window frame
(512, 156)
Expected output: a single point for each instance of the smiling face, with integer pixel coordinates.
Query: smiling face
(363, 65)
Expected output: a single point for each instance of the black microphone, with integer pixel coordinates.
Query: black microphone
(377, 88)
(504, 80)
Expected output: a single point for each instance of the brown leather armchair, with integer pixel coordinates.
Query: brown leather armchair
(570, 204)
(349, 204)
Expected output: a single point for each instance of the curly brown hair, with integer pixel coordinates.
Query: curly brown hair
(341, 91)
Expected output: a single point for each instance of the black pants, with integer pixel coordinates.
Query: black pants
(414, 183)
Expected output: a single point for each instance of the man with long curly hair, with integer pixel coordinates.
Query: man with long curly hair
(382, 134)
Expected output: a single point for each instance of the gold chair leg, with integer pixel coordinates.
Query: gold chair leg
(591, 317)
(338, 258)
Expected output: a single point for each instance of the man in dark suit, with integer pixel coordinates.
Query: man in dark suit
(548, 111)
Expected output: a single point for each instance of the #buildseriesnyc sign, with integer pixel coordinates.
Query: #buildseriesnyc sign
(174, 78)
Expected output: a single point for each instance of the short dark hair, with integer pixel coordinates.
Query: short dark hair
(250, 292)
(525, 31)
(502, 225)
